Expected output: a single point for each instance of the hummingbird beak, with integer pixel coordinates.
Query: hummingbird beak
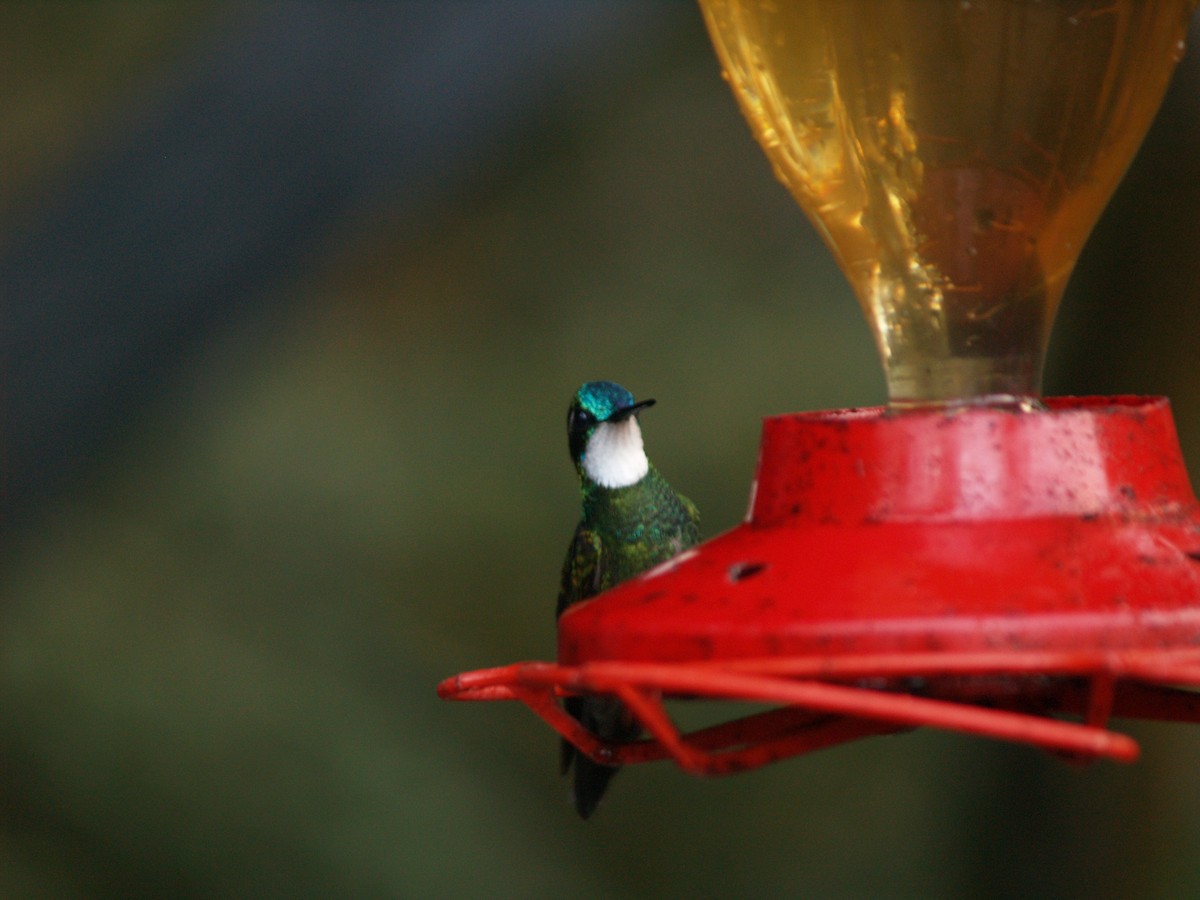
(625, 412)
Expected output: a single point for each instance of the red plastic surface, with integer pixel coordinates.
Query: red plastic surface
(975, 569)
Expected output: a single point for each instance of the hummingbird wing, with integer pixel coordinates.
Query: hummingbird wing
(580, 580)
(581, 569)
(694, 516)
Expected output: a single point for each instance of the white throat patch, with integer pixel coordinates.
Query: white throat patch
(615, 457)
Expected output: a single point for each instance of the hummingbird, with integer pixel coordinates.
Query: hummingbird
(632, 521)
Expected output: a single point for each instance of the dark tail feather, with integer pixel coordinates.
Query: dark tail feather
(574, 706)
(591, 780)
(608, 719)
(566, 755)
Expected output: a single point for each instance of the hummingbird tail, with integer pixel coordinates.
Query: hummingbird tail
(591, 780)
(609, 720)
(574, 706)
(566, 756)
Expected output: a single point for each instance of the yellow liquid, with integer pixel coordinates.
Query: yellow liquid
(954, 154)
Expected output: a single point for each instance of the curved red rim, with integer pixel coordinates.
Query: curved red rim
(825, 702)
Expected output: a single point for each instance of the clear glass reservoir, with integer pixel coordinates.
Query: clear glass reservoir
(954, 155)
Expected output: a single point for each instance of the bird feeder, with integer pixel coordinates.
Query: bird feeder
(972, 556)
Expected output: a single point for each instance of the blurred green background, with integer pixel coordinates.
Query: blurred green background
(293, 299)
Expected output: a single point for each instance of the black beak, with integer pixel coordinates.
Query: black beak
(625, 412)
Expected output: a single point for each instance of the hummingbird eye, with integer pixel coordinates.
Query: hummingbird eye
(579, 420)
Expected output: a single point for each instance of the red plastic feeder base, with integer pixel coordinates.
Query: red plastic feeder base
(1017, 575)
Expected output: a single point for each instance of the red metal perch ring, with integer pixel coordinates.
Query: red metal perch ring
(975, 569)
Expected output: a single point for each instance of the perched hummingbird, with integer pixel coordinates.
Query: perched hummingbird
(632, 521)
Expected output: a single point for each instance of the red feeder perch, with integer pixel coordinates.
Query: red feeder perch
(969, 557)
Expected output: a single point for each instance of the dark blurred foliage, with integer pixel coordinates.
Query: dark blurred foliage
(293, 299)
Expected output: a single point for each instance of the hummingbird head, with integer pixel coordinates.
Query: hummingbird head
(604, 437)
